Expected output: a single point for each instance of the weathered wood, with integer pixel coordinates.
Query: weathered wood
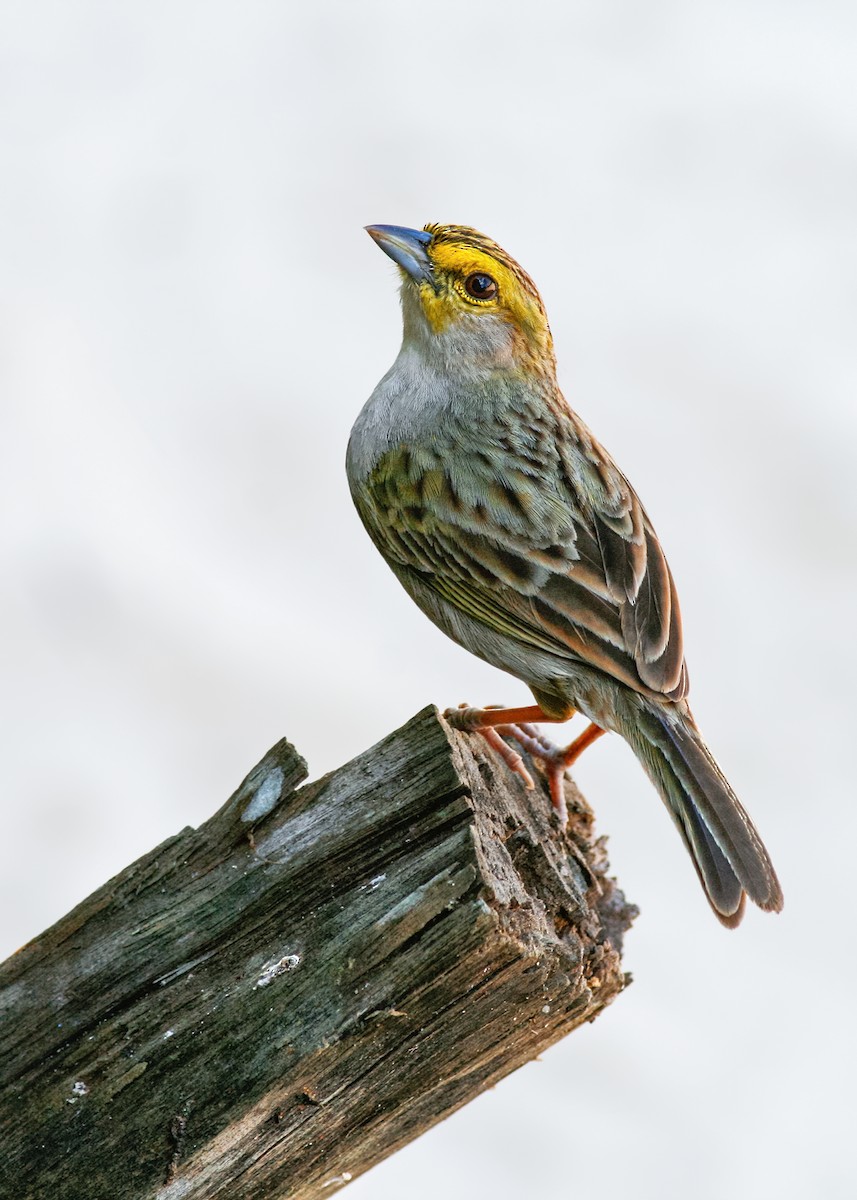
(268, 1005)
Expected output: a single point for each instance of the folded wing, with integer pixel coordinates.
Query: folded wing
(549, 544)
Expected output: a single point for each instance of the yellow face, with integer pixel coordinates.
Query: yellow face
(471, 275)
(459, 277)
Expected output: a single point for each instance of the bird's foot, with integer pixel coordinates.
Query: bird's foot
(493, 735)
(495, 722)
(555, 759)
(480, 720)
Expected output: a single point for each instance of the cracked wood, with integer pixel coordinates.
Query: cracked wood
(268, 1005)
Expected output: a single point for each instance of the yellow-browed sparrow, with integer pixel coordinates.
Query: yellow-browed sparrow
(515, 532)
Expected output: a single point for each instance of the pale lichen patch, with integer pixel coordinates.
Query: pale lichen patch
(272, 970)
(338, 1180)
(266, 796)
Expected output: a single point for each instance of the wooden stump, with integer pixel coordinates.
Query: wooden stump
(270, 1004)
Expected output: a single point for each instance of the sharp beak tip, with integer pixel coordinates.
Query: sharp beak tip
(406, 247)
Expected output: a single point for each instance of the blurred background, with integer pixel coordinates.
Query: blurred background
(190, 319)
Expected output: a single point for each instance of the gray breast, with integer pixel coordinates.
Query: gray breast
(451, 376)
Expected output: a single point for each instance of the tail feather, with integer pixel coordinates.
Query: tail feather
(727, 852)
(721, 885)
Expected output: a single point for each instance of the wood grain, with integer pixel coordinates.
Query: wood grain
(269, 1004)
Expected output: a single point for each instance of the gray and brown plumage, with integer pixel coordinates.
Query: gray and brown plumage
(515, 532)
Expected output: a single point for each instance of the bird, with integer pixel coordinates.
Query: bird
(515, 532)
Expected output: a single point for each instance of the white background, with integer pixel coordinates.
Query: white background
(190, 319)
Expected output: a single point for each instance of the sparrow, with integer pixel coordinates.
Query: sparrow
(515, 532)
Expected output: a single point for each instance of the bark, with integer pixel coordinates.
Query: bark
(270, 1004)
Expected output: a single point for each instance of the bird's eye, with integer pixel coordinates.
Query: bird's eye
(480, 287)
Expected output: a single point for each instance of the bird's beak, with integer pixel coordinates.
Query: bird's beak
(406, 247)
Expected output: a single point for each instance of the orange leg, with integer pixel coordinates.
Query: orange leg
(472, 719)
(518, 723)
(572, 752)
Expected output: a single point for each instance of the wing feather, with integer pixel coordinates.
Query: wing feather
(563, 558)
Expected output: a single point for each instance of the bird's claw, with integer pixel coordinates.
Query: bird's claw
(553, 759)
(469, 720)
(464, 717)
(510, 757)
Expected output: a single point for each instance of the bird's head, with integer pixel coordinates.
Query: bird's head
(466, 299)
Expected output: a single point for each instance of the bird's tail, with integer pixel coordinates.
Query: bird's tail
(728, 853)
